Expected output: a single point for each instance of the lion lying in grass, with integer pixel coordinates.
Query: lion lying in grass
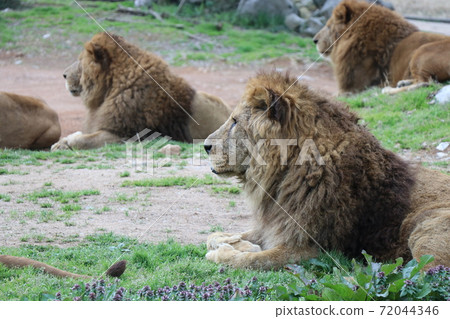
(127, 90)
(316, 179)
(27, 122)
(370, 45)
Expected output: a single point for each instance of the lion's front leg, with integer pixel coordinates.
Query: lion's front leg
(267, 259)
(82, 141)
(237, 241)
(404, 86)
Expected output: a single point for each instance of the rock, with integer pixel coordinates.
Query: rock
(305, 13)
(308, 4)
(328, 7)
(441, 154)
(273, 8)
(143, 3)
(294, 22)
(311, 27)
(443, 95)
(442, 146)
(319, 3)
(170, 149)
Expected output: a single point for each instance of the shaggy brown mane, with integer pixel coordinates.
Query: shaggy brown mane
(364, 185)
(370, 45)
(127, 89)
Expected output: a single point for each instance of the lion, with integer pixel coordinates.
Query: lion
(27, 122)
(127, 90)
(116, 270)
(318, 180)
(370, 45)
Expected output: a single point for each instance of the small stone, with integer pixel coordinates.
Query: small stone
(441, 154)
(294, 22)
(443, 95)
(170, 149)
(305, 13)
(311, 27)
(46, 36)
(442, 146)
(308, 4)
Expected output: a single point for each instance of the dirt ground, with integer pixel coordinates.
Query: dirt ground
(153, 214)
(150, 214)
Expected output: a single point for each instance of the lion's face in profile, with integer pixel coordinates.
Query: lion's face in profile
(72, 75)
(227, 149)
(250, 137)
(327, 36)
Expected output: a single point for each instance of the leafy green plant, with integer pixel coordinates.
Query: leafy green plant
(374, 281)
(99, 290)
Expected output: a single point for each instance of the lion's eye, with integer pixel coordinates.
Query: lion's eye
(234, 123)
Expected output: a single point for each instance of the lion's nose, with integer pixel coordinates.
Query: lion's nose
(315, 41)
(64, 75)
(208, 148)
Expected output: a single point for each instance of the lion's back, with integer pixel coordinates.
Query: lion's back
(139, 92)
(27, 122)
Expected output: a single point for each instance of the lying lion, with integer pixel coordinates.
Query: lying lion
(127, 90)
(371, 45)
(27, 122)
(316, 179)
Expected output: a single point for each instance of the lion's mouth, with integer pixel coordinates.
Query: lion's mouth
(75, 92)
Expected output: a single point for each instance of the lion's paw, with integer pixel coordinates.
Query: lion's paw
(224, 253)
(246, 246)
(388, 90)
(61, 145)
(234, 240)
(217, 239)
(66, 142)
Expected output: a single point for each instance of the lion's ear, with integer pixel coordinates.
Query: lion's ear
(98, 52)
(277, 107)
(343, 13)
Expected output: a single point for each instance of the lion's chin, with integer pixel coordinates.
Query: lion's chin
(223, 172)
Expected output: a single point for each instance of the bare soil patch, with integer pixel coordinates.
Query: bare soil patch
(150, 214)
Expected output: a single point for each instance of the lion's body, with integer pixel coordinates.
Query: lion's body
(27, 122)
(127, 90)
(355, 196)
(371, 45)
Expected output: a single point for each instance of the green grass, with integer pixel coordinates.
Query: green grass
(403, 121)
(226, 190)
(60, 196)
(236, 41)
(328, 277)
(156, 265)
(124, 174)
(5, 197)
(186, 181)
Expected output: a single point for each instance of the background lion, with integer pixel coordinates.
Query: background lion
(332, 186)
(27, 122)
(126, 90)
(377, 46)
